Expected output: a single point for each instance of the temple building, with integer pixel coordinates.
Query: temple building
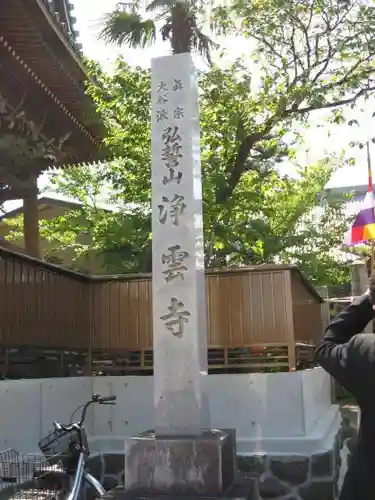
(45, 116)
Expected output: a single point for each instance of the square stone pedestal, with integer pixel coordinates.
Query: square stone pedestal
(204, 464)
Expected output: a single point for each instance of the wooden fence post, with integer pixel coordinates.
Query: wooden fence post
(292, 358)
(323, 292)
(90, 324)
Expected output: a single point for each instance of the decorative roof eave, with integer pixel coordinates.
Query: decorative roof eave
(44, 87)
(48, 15)
(39, 147)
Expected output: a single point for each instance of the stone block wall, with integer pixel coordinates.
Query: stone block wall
(280, 477)
(298, 477)
(295, 477)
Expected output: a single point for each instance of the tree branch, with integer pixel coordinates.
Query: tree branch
(238, 169)
(335, 104)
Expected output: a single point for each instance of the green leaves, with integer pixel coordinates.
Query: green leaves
(128, 28)
(319, 53)
(252, 212)
(307, 56)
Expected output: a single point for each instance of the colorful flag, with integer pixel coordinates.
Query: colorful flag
(363, 228)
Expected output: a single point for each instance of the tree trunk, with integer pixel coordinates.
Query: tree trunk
(181, 30)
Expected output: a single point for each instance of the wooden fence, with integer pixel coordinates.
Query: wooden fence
(266, 317)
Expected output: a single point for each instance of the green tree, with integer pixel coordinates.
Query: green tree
(227, 218)
(309, 55)
(283, 220)
(126, 26)
(99, 233)
(269, 217)
(306, 56)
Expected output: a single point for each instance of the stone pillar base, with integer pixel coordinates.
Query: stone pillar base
(203, 464)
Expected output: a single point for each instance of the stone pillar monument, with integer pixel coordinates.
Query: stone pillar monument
(179, 309)
(182, 454)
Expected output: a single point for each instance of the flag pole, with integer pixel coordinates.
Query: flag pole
(369, 167)
(370, 189)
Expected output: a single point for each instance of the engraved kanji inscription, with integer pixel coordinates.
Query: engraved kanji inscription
(173, 177)
(177, 85)
(171, 154)
(162, 99)
(162, 87)
(174, 260)
(175, 208)
(171, 135)
(161, 115)
(178, 112)
(177, 317)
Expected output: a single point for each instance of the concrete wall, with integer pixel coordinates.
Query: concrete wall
(281, 411)
(28, 408)
(316, 395)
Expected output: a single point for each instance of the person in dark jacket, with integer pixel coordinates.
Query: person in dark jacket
(349, 356)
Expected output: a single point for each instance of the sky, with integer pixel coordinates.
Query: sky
(318, 140)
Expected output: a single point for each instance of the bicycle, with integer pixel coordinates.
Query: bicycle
(67, 447)
(66, 452)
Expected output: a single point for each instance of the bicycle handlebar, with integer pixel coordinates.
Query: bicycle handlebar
(99, 399)
(96, 398)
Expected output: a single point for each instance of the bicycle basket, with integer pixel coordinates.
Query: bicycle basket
(59, 446)
(56, 445)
